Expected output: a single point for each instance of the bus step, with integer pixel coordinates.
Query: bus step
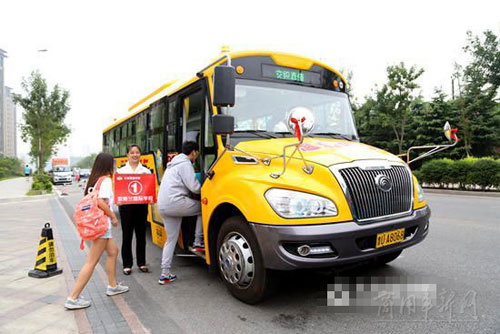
(199, 254)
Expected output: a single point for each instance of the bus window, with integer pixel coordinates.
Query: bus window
(132, 128)
(173, 124)
(209, 149)
(148, 121)
(193, 109)
(141, 132)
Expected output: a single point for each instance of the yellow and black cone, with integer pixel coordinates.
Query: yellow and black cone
(46, 262)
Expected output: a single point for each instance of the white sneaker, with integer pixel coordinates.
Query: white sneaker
(119, 288)
(79, 303)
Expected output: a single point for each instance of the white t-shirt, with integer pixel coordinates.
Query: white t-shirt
(106, 192)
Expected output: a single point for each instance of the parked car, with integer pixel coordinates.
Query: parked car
(84, 173)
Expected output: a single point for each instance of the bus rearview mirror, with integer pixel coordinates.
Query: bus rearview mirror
(447, 131)
(224, 86)
(222, 124)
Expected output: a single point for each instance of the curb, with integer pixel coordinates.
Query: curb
(461, 192)
(25, 198)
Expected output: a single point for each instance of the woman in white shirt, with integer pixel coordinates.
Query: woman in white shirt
(134, 217)
(103, 166)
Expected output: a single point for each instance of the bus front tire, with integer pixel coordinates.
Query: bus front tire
(240, 262)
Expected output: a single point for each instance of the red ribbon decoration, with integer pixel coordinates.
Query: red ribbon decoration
(453, 134)
(297, 126)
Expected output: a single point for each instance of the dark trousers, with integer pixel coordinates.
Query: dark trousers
(133, 217)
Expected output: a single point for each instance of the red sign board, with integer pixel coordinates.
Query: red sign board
(60, 162)
(135, 188)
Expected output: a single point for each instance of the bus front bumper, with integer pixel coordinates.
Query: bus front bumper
(350, 241)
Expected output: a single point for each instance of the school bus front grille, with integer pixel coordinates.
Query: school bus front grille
(368, 201)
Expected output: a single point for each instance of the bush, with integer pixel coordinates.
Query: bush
(436, 172)
(37, 185)
(483, 173)
(458, 172)
(48, 187)
(41, 181)
(466, 173)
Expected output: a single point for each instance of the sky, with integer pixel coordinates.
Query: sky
(110, 54)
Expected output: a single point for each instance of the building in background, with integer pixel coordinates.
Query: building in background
(8, 124)
(3, 55)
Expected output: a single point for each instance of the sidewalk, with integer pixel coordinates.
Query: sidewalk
(14, 188)
(28, 305)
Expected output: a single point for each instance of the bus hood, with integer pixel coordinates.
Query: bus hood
(324, 151)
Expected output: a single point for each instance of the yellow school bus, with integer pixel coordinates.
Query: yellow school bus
(286, 183)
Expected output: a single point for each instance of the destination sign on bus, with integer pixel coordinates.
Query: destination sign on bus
(290, 74)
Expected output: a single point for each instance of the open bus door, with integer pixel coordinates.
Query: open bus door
(192, 107)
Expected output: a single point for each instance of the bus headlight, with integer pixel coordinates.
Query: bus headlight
(420, 193)
(298, 204)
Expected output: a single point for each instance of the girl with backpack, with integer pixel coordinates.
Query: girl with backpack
(99, 181)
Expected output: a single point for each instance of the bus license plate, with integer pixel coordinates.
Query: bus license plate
(389, 238)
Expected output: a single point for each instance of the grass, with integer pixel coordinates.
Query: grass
(32, 192)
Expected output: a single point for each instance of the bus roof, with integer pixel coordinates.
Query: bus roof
(171, 87)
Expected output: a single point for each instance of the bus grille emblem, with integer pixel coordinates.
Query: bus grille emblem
(383, 183)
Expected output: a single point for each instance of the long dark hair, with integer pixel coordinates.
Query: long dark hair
(103, 165)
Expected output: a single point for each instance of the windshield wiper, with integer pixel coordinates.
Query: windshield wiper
(332, 134)
(257, 133)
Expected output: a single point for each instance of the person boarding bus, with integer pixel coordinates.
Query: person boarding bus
(175, 202)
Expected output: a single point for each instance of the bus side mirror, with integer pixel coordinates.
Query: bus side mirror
(447, 131)
(224, 86)
(222, 124)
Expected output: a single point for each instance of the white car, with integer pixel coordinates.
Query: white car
(61, 174)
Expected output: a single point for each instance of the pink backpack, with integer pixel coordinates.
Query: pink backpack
(91, 222)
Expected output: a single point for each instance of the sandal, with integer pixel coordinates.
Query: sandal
(144, 269)
(127, 271)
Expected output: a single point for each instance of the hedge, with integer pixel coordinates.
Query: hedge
(470, 173)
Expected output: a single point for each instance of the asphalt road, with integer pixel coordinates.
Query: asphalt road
(460, 257)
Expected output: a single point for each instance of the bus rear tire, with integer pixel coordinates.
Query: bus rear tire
(240, 262)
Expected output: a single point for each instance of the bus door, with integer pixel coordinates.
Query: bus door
(193, 115)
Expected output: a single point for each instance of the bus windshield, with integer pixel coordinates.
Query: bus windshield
(263, 106)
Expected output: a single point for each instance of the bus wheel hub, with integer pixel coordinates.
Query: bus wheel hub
(236, 260)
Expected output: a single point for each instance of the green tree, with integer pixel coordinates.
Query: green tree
(478, 103)
(400, 94)
(385, 120)
(429, 123)
(10, 167)
(44, 114)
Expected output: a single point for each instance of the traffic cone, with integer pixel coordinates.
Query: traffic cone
(46, 262)
(64, 191)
